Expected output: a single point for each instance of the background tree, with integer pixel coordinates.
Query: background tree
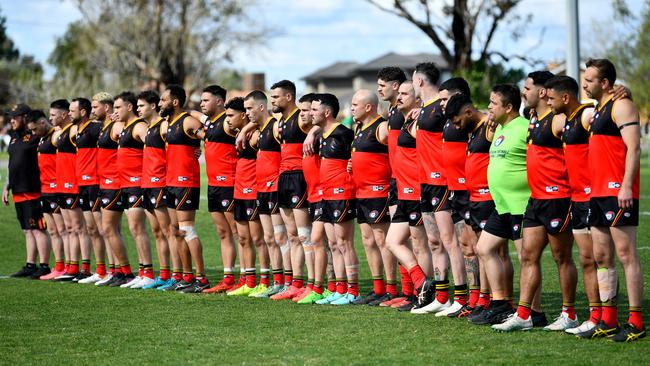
(125, 43)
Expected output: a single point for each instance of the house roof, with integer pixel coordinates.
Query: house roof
(341, 69)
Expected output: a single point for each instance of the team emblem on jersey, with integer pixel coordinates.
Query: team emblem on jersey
(270, 184)
(248, 190)
(413, 215)
(555, 223)
(408, 190)
(613, 185)
(378, 188)
(86, 177)
(155, 179)
(373, 214)
(221, 178)
(108, 181)
(461, 180)
(337, 213)
(225, 203)
(609, 215)
(483, 191)
(587, 190)
(551, 189)
(339, 190)
(68, 185)
(435, 175)
(182, 179)
(499, 140)
(295, 199)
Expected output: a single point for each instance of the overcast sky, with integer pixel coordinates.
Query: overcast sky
(314, 34)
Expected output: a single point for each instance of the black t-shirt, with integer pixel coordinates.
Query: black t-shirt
(24, 176)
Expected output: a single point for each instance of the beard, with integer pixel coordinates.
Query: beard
(166, 112)
(277, 109)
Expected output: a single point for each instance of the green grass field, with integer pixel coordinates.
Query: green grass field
(56, 323)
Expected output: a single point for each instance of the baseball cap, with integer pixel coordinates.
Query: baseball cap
(19, 110)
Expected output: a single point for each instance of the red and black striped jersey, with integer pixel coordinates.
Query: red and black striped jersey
(154, 158)
(220, 153)
(183, 168)
(268, 157)
(335, 152)
(431, 122)
(47, 163)
(454, 153)
(107, 170)
(607, 153)
(66, 162)
(476, 164)
(129, 156)
(547, 174)
(86, 141)
(292, 137)
(245, 174)
(370, 163)
(576, 154)
(407, 165)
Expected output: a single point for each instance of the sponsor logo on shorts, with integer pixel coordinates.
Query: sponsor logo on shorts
(378, 188)
(413, 215)
(555, 223)
(337, 213)
(52, 205)
(68, 201)
(499, 140)
(105, 201)
(373, 214)
(609, 215)
(153, 200)
(270, 205)
(81, 201)
(627, 214)
(189, 201)
(467, 216)
(225, 203)
(434, 201)
(482, 224)
(86, 177)
(550, 189)
(295, 199)
(134, 179)
(515, 227)
(249, 211)
(613, 185)
(435, 175)
(132, 199)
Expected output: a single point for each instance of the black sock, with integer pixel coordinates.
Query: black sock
(30, 265)
(45, 265)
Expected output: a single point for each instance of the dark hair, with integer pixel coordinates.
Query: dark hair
(62, 104)
(34, 115)
(392, 73)
(429, 70)
(216, 90)
(605, 67)
(309, 97)
(151, 97)
(540, 77)
(177, 92)
(564, 84)
(455, 104)
(330, 101)
(456, 85)
(236, 104)
(509, 93)
(256, 95)
(128, 97)
(84, 104)
(285, 85)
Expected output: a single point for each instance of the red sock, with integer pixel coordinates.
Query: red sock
(460, 294)
(264, 278)
(85, 266)
(483, 300)
(331, 285)
(177, 275)
(126, 270)
(229, 278)
(353, 288)
(164, 273)
(250, 280)
(341, 286)
(442, 291)
(595, 313)
(111, 269)
(610, 315)
(635, 318)
(188, 277)
(201, 278)
(66, 267)
(570, 310)
(278, 277)
(473, 297)
(148, 273)
(298, 282)
(523, 310)
(318, 288)
(59, 266)
(407, 282)
(288, 278)
(242, 279)
(391, 288)
(100, 268)
(379, 286)
(73, 268)
(417, 275)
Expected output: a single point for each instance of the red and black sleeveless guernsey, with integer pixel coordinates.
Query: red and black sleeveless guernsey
(454, 153)
(607, 154)
(576, 154)
(268, 157)
(547, 174)
(370, 163)
(245, 176)
(431, 123)
(335, 152)
(476, 164)
(107, 170)
(291, 139)
(87, 137)
(129, 156)
(311, 170)
(154, 159)
(407, 165)
(182, 166)
(47, 163)
(66, 162)
(395, 122)
(220, 153)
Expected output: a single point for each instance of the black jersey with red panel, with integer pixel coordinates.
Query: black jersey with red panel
(370, 163)
(476, 164)
(107, 169)
(47, 163)
(291, 138)
(86, 141)
(183, 168)
(268, 157)
(431, 123)
(66, 162)
(220, 153)
(129, 156)
(335, 152)
(576, 154)
(154, 157)
(407, 165)
(547, 174)
(454, 152)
